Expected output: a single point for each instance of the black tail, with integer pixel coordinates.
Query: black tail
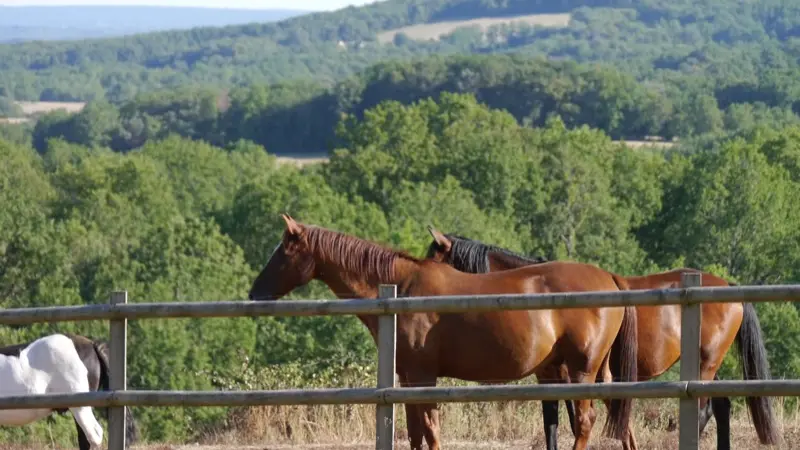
(623, 363)
(756, 367)
(131, 429)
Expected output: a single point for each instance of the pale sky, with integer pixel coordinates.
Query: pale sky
(314, 5)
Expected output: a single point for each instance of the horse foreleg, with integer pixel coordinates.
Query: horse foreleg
(85, 418)
(428, 412)
(550, 419)
(83, 443)
(413, 420)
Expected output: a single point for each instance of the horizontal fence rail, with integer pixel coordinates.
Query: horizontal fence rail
(413, 395)
(442, 304)
(385, 395)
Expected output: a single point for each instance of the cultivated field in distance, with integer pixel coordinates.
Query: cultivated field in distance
(32, 109)
(433, 31)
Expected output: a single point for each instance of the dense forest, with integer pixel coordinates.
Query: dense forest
(300, 117)
(727, 39)
(166, 184)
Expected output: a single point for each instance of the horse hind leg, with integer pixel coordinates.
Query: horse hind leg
(550, 408)
(706, 413)
(720, 407)
(585, 415)
(91, 427)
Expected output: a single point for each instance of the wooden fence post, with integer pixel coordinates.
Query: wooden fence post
(691, 316)
(387, 348)
(118, 331)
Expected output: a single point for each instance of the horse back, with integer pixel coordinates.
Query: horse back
(57, 356)
(567, 276)
(671, 279)
(555, 276)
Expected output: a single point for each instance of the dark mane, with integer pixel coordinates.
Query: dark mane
(472, 256)
(353, 254)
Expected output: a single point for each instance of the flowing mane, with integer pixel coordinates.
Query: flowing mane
(469, 255)
(353, 254)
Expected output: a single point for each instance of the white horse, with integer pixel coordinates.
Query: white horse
(49, 365)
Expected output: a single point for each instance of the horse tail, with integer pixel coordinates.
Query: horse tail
(623, 364)
(131, 429)
(756, 367)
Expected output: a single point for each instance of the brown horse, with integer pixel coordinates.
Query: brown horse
(496, 346)
(659, 333)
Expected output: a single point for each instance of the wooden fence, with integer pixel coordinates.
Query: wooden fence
(386, 395)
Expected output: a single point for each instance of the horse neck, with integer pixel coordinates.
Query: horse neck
(346, 283)
(350, 284)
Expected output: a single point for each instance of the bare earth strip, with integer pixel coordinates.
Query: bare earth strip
(14, 120)
(301, 161)
(435, 30)
(305, 161)
(29, 108)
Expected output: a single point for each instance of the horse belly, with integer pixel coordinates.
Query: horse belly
(19, 417)
(495, 348)
(659, 339)
(17, 379)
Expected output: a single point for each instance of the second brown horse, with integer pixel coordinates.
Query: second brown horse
(495, 346)
(659, 334)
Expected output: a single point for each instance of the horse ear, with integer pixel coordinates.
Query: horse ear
(291, 226)
(440, 239)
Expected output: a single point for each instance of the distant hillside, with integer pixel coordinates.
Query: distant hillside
(648, 38)
(25, 23)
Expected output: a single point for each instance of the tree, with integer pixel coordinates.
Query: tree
(734, 208)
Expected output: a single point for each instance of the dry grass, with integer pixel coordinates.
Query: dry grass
(433, 31)
(507, 425)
